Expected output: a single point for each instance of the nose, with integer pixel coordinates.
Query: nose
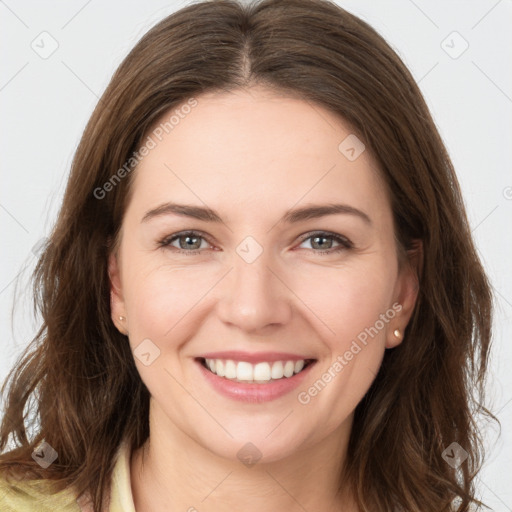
(255, 297)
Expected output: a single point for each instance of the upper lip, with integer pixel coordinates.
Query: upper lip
(259, 357)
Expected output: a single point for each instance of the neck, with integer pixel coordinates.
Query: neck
(172, 471)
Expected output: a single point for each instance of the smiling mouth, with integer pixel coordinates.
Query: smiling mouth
(260, 373)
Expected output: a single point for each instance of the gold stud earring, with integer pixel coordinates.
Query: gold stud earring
(397, 333)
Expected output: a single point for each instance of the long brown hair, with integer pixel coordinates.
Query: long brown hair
(78, 377)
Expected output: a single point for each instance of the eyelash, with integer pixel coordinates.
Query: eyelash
(345, 243)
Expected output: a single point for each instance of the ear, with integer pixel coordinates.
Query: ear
(117, 305)
(406, 293)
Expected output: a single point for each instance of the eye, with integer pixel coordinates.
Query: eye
(189, 242)
(324, 240)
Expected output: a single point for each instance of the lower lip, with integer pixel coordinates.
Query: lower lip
(255, 393)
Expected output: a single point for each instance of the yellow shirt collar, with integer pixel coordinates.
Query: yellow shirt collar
(121, 498)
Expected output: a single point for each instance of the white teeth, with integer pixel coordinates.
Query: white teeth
(219, 368)
(230, 369)
(264, 372)
(277, 370)
(288, 368)
(244, 371)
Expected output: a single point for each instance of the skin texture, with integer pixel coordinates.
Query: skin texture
(251, 155)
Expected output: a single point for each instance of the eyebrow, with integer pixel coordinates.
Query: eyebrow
(291, 216)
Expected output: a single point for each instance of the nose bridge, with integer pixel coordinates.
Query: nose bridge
(253, 296)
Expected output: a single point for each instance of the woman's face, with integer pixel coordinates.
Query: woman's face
(255, 278)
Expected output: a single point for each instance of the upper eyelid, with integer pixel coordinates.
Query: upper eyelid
(327, 234)
(179, 234)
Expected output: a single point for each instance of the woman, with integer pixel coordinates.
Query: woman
(261, 291)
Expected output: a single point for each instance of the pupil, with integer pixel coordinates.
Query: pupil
(188, 238)
(315, 241)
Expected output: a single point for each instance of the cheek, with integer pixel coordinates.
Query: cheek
(162, 305)
(354, 313)
(345, 301)
(340, 302)
(160, 298)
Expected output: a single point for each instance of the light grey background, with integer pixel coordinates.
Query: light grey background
(46, 102)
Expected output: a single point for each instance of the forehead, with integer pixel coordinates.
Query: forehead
(256, 147)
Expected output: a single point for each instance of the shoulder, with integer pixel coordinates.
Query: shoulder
(34, 495)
